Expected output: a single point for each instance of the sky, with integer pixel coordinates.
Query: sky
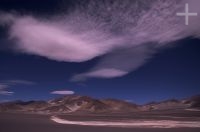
(133, 50)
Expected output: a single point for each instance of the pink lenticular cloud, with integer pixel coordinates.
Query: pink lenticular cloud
(63, 92)
(127, 34)
(52, 41)
(101, 73)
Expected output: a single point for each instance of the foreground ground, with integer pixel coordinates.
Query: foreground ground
(42, 123)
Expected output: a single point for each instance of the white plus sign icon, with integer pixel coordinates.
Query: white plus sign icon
(186, 14)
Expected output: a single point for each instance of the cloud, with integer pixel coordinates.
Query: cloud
(6, 84)
(118, 63)
(6, 92)
(3, 90)
(63, 92)
(101, 73)
(21, 82)
(125, 33)
(3, 86)
(44, 38)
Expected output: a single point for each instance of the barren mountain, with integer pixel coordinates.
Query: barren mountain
(121, 106)
(82, 104)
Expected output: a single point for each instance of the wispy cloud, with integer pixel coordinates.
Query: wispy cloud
(63, 92)
(101, 73)
(17, 82)
(3, 90)
(126, 32)
(6, 84)
(3, 86)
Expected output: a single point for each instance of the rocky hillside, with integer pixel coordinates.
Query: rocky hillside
(188, 103)
(75, 104)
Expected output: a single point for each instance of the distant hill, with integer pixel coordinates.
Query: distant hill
(85, 104)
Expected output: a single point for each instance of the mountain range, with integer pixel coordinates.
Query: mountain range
(85, 104)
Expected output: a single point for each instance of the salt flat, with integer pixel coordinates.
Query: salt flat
(132, 123)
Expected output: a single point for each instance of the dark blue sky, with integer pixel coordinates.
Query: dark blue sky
(172, 73)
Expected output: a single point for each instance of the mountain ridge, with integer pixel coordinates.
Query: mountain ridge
(86, 104)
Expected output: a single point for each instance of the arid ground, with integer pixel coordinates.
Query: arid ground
(15, 122)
